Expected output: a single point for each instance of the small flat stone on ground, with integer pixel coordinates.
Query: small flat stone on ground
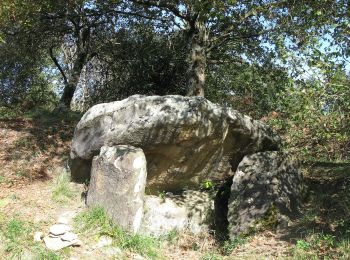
(69, 236)
(56, 243)
(59, 229)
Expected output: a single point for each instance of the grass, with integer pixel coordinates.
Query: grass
(230, 245)
(211, 256)
(321, 246)
(2, 179)
(172, 237)
(61, 189)
(325, 222)
(96, 223)
(17, 241)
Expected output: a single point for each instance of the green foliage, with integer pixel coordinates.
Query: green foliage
(250, 89)
(96, 220)
(207, 185)
(302, 244)
(162, 195)
(321, 246)
(14, 230)
(7, 113)
(17, 238)
(314, 119)
(230, 245)
(269, 221)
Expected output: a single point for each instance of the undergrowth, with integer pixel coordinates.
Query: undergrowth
(95, 221)
(321, 246)
(61, 190)
(16, 237)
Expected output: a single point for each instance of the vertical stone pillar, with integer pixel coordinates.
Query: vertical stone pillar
(118, 179)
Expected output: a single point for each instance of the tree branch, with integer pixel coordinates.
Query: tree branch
(163, 4)
(54, 59)
(227, 32)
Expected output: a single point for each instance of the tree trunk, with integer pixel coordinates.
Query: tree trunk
(83, 44)
(73, 80)
(197, 60)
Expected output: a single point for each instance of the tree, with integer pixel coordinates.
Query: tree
(219, 30)
(213, 31)
(71, 32)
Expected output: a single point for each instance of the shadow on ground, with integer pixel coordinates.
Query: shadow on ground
(326, 209)
(33, 142)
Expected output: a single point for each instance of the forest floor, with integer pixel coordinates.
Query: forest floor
(35, 191)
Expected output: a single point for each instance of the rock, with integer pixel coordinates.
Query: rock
(104, 241)
(192, 210)
(186, 140)
(38, 236)
(118, 179)
(69, 236)
(77, 242)
(59, 229)
(266, 189)
(55, 243)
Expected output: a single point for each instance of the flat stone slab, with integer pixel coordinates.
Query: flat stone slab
(56, 243)
(59, 229)
(186, 140)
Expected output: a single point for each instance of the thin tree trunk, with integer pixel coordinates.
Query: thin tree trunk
(197, 60)
(73, 80)
(83, 36)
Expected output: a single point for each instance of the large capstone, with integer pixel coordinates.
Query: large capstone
(266, 187)
(117, 184)
(191, 210)
(186, 140)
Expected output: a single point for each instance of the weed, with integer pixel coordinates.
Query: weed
(17, 238)
(321, 246)
(230, 245)
(172, 237)
(93, 219)
(61, 190)
(25, 142)
(195, 246)
(207, 185)
(211, 256)
(97, 220)
(344, 249)
(302, 244)
(21, 173)
(14, 233)
(43, 254)
(2, 179)
(162, 196)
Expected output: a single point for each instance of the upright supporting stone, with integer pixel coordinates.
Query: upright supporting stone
(266, 185)
(118, 179)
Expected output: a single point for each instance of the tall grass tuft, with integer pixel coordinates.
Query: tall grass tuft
(96, 222)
